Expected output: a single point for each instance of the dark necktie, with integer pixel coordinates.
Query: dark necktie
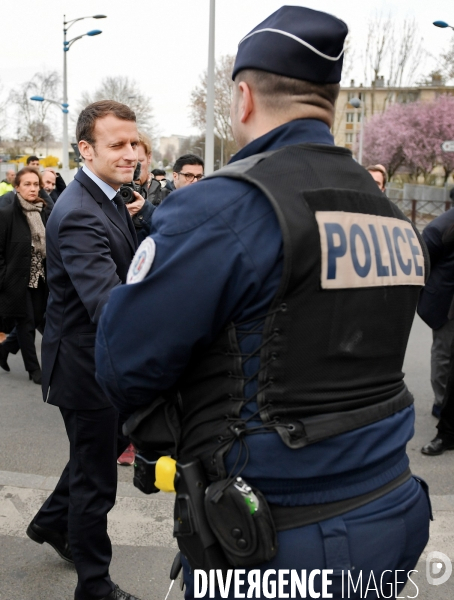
(120, 206)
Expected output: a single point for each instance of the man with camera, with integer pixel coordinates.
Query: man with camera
(90, 244)
(284, 288)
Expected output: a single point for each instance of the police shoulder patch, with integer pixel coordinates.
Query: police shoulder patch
(142, 261)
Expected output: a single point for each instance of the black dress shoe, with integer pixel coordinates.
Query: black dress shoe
(117, 594)
(436, 410)
(36, 376)
(57, 539)
(3, 356)
(437, 446)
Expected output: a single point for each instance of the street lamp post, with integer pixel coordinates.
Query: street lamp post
(209, 139)
(356, 103)
(442, 24)
(62, 105)
(66, 46)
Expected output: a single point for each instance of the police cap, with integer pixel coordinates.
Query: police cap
(296, 42)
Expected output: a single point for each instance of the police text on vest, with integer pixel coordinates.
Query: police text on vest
(360, 250)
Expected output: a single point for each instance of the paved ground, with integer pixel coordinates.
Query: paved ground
(33, 451)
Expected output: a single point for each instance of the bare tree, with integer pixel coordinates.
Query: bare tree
(393, 54)
(222, 98)
(127, 91)
(406, 54)
(32, 117)
(379, 41)
(3, 108)
(445, 64)
(349, 60)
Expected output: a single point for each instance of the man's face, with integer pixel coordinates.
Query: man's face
(48, 181)
(145, 162)
(187, 175)
(34, 164)
(10, 175)
(113, 158)
(379, 179)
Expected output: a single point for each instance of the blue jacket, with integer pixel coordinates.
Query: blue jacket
(219, 259)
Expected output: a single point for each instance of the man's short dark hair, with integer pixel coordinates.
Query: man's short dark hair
(277, 91)
(160, 172)
(87, 119)
(31, 159)
(187, 159)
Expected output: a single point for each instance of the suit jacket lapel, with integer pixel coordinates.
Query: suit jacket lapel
(109, 209)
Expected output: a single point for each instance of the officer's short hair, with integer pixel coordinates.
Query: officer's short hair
(97, 110)
(31, 159)
(145, 141)
(277, 91)
(187, 159)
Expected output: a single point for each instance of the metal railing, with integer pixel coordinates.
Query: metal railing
(421, 204)
(422, 212)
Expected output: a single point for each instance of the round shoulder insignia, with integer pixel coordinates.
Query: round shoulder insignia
(142, 261)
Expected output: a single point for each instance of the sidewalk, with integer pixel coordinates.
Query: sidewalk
(140, 528)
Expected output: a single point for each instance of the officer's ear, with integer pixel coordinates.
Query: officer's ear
(245, 101)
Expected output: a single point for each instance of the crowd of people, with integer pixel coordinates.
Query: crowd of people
(263, 325)
(35, 190)
(40, 188)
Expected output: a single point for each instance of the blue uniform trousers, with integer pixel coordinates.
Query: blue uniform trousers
(383, 536)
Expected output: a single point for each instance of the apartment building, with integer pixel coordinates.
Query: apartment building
(347, 120)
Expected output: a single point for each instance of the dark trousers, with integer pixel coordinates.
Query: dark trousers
(440, 355)
(23, 335)
(446, 423)
(85, 494)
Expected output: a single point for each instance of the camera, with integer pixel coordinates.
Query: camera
(127, 189)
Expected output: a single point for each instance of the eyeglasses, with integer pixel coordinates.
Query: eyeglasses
(190, 176)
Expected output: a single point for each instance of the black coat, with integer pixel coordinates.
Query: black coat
(90, 245)
(437, 296)
(142, 221)
(8, 198)
(15, 258)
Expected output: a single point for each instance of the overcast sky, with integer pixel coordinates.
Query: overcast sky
(164, 44)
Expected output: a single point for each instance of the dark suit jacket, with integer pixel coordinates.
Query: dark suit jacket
(89, 248)
(437, 295)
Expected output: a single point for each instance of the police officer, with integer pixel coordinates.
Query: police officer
(283, 292)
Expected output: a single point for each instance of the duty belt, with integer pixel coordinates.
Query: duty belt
(290, 517)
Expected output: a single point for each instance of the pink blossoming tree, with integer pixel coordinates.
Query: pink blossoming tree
(411, 135)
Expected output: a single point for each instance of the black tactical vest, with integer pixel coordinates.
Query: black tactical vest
(335, 335)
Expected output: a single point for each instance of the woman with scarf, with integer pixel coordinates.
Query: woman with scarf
(23, 289)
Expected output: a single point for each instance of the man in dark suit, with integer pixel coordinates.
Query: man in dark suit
(90, 244)
(435, 301)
